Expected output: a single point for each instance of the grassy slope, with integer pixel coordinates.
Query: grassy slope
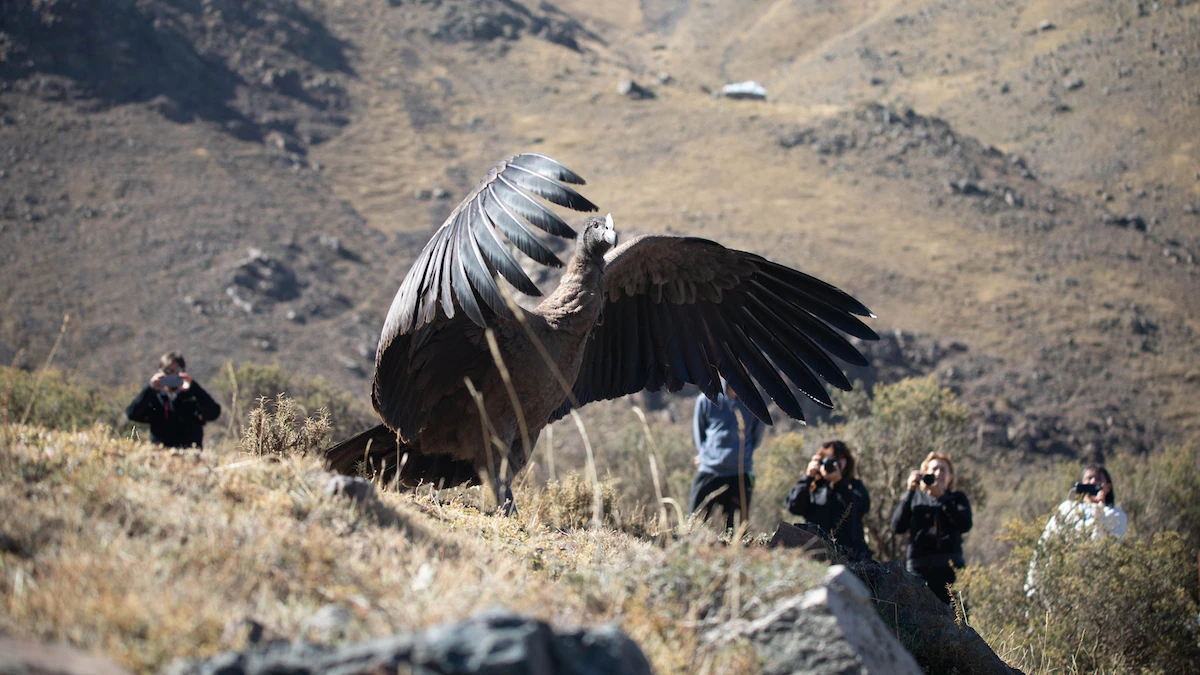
(149, 555)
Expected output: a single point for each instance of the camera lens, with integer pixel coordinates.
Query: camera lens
(928, 479)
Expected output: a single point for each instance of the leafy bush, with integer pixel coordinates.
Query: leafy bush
(778, 464)
(53, 400)
(1100, 605)
(250, 384)
(1161, 491)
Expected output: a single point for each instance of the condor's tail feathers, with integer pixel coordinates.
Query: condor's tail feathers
(377, 452)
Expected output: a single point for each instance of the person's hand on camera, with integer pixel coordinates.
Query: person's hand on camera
(187, 381)
(1101, 496)
(156, 381)
(814, 467)
(914, 481)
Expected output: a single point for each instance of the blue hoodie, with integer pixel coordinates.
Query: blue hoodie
(715, 431)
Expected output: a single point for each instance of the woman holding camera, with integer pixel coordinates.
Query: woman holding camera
(830, 496)
(935, 515)
(1091, 507)
(1089, 510)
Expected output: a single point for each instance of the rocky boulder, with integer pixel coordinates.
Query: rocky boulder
(494, 642)
(831, 630)
(928, 629)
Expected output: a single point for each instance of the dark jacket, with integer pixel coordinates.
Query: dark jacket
(936, 526)
(175, 423)
(839, 511)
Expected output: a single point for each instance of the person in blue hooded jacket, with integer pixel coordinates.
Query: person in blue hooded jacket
(726, 434)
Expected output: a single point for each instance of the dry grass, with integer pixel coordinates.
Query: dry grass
(148, 555)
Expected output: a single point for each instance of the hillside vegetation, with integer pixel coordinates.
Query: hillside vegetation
(149, 555)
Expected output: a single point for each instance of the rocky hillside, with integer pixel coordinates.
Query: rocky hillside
(1014, 189)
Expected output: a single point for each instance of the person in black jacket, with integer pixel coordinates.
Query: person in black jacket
(830, 496)
(935, 515)
(174, 405)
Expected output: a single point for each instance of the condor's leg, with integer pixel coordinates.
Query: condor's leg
(506, 473)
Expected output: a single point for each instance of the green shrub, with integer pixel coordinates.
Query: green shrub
(778, 464)
(1100, 605)
(1160, 491)
(56, 401)
(251, 384)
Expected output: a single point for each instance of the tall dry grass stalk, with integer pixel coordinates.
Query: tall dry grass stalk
(37, 383)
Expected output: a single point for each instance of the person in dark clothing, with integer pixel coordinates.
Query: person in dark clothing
(830, 496)
(174, 405)
(935, 516)
(726, 434)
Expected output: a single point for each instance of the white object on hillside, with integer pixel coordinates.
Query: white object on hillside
(747, 89)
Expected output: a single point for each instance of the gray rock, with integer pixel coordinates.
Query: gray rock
(266, 276)
(328, 623)
(1073, 83)
(633, 90)
(494, 642)
(831, 630)
(359, 490)
(1046, 24)
(928, 629)
(331, 242)
(791, 536)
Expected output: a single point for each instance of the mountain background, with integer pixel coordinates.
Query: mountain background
(1012, 187)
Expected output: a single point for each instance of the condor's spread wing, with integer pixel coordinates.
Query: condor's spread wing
(687, 310)
(455, 271)
(456, 268)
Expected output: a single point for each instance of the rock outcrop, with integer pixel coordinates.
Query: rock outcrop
(928, 629)
(831, 630)
(494, 642)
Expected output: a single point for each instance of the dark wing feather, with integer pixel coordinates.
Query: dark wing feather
(686, 310)
(416, 370)
(458, 265)
(452, 285)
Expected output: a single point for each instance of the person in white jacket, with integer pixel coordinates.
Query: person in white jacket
(1095, 514)
(1090, 511)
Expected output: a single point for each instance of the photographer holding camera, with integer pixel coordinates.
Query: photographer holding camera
(1090, 507)
(1089, 510)
(935, 516)
(174, 405)
(830, 496)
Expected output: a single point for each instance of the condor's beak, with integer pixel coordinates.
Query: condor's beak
(610, 232)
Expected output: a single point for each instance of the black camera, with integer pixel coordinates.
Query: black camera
(1086, 489)
(928, 478)
(171, 381)
(830, 465)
